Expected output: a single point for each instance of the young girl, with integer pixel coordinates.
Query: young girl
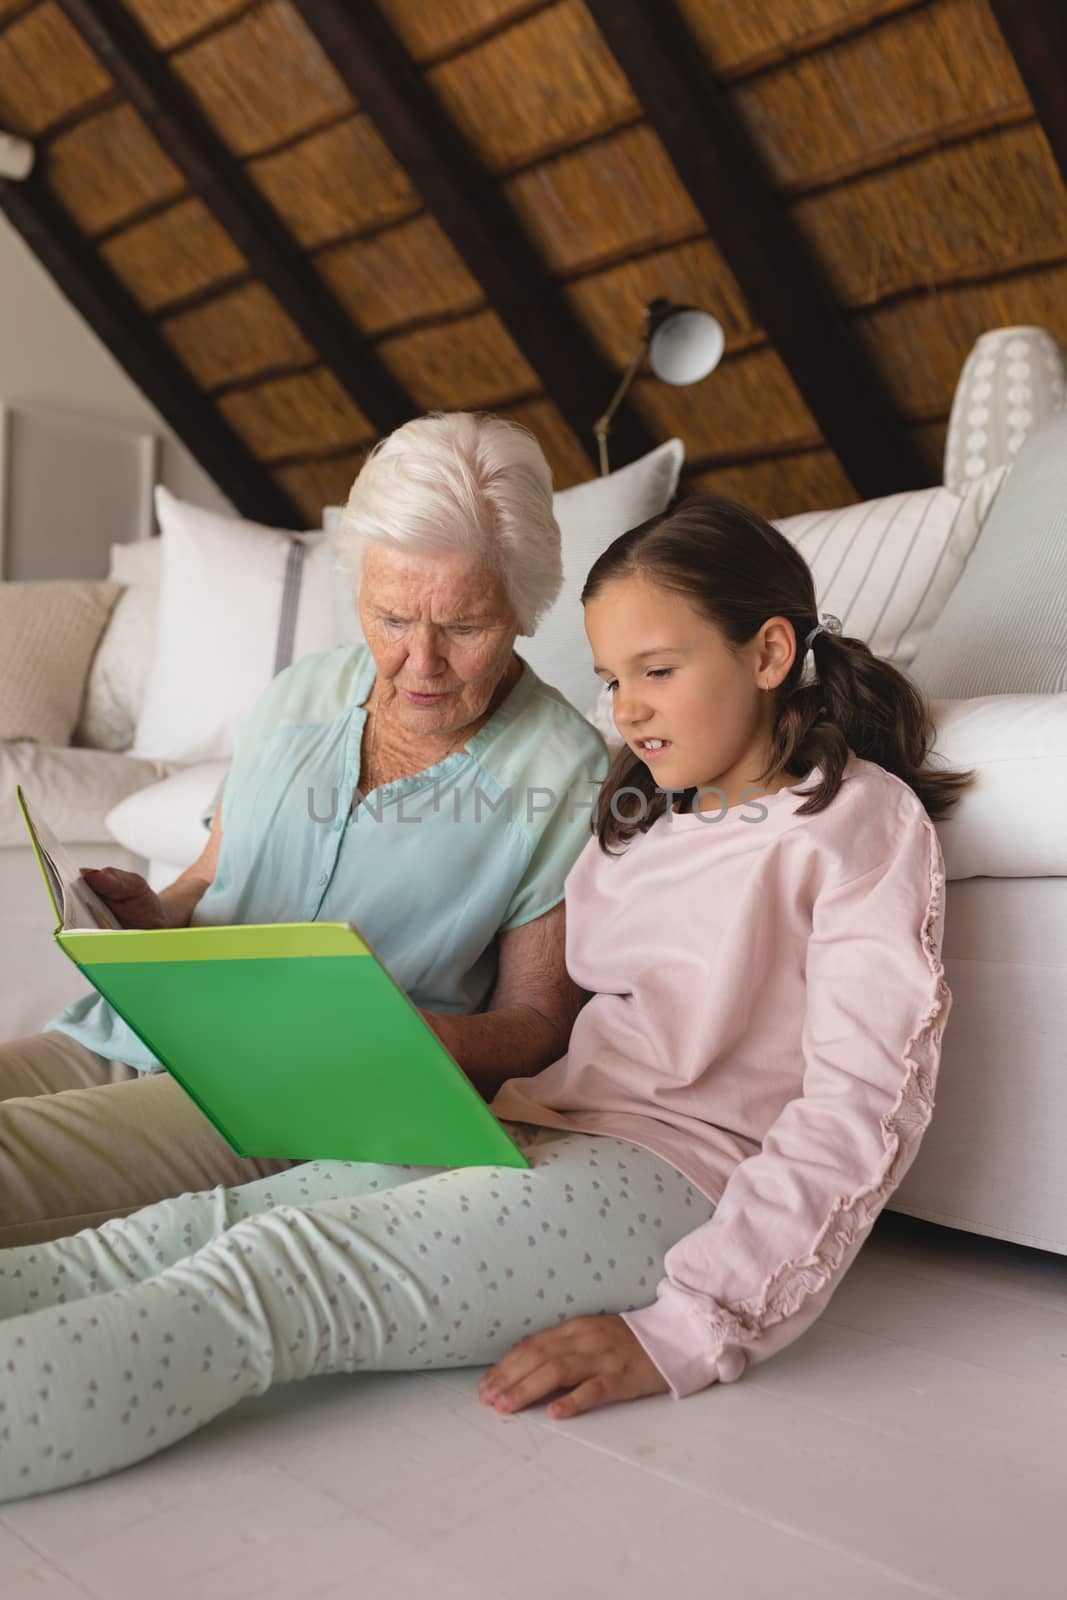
(746, 1085)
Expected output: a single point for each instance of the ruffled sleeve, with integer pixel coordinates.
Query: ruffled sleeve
(793, 1217)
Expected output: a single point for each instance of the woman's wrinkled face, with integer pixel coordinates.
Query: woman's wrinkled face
(691, 708)
(441, 630)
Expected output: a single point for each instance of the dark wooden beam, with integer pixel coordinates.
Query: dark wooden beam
(472, 210)
(1035, 32)
(220, 181)
(140, 348)
(779, 274)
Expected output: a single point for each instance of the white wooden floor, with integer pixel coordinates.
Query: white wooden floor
(914, 1442)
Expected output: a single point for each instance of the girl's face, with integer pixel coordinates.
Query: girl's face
(696, 712)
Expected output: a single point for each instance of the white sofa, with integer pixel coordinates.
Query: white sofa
(991, 1160)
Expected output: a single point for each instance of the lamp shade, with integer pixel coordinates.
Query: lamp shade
(685, 344)
(16, 156)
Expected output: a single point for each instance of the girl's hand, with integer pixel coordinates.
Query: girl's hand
(597, 1358)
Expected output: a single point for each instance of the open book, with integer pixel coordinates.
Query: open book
(74, 903)
(292, 1037)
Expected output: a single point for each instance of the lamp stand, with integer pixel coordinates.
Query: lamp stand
(602, 427)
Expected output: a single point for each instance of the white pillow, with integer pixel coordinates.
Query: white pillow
(223, 607)
(1009, 824)
(599, 712)
(119, 673)
(163, 821)
(887, 567)
(346, 613)
(590, 516)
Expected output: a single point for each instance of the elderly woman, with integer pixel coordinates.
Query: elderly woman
(426, 785)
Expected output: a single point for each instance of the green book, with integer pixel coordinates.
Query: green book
(292, 1037)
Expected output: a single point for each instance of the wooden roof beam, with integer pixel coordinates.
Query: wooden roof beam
(469, 206)
(219, 180)
(779, 274)
(139, 347)
(1035, 32)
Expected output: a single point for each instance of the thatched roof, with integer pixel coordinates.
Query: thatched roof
(297, 222)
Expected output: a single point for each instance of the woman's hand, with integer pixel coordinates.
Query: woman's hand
(597, 1359)
(127, 896)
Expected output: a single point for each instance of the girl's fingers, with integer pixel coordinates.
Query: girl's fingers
(597, 1358)
(528, 1355)
(558, 1372)
(586, 1397)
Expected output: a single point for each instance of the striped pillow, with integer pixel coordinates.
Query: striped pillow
(887, 567)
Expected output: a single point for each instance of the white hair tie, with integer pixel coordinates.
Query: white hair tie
(827, 623)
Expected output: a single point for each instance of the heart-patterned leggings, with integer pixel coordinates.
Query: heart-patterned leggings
(122, 1339)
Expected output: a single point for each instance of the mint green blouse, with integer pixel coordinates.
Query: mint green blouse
(431, 868)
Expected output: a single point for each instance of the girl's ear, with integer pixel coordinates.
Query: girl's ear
(777, 652)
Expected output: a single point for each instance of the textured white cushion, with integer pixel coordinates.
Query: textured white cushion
(75, 789)
(221, 597)
(119, 673)
(48, 632)
(1011, 381)
(887, 567)
(164, 821)
(1010, 823)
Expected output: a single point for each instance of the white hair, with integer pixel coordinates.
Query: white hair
(461, 482)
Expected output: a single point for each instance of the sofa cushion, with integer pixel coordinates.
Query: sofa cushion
(74, 789)
(1004, 628)
(164, 822)
(1009, 824)
(119, 673)
(48, 632)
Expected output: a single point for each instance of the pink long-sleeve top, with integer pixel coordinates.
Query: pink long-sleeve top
(768, 1002)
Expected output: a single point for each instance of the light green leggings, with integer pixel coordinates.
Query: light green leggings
(123, 1339)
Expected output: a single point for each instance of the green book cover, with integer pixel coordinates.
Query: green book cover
(293, 1038)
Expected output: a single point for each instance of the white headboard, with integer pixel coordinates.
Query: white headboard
(70, 487)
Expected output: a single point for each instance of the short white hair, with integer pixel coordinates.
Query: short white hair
(461, 482)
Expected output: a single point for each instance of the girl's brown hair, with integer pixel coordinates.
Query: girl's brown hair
(738, 571)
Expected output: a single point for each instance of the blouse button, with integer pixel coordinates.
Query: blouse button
(323, 876)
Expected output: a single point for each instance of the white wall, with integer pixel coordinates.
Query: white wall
(50, 357)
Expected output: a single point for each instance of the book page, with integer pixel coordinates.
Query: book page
(78, 906)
